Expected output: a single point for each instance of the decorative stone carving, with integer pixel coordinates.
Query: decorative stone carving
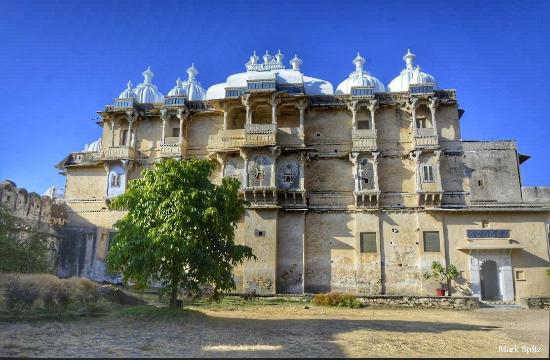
(288, 175)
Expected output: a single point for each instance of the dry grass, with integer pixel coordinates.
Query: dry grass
(280, 330)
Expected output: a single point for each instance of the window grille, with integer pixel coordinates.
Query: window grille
(431, 241)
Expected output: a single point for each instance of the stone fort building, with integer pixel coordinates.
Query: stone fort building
(353, 190)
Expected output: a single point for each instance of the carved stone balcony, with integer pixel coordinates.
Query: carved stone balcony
(430, 198)
(425, 138)
(364, 140)
(170, 150)
(290, 137)
(367, 199)
(118, 152)
(260, 195)
(260, 134)
(84, 157)
(227, 140)
(292, 198)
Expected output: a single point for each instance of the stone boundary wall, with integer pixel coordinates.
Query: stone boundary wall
(434, 302)
(536, 303)
(440, 302)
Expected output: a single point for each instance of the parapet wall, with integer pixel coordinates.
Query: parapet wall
(536, 194)
(41, 212)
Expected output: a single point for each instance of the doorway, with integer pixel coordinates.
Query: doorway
(489, 281)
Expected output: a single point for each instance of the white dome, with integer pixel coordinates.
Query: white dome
(128, 93)
(54, 193)
(193, 88)
(190, 89)
(411, 75)
(93, 147)
(177, 90)
(272, 69)
(359, 78)
(147, 92)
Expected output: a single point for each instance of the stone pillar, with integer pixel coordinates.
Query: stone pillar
(246, 102)
(112, 121)
(131, 116)
(434, 103)
(375, 155)
(275, 100)
(415, 157)
(302, 106)
(353, 106)
(107, 167)
(164, 117)
(244, 155)
(275, 152)
(438, 169)
(183, 114)
(302, 167)
(373, 106)
(412, 107)
(221, 160)
(225, 114)
(353, 157)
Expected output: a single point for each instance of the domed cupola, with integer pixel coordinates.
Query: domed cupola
(193, 88)
(126, 98)
(128, 93)
(360, 82)
(412, 78)
(147, 92)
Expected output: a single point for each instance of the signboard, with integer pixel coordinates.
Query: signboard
(486, 233)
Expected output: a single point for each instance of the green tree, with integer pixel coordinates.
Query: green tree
(22, 248)
(179, 229)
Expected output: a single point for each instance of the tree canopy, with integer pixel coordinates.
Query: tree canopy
(179, 228)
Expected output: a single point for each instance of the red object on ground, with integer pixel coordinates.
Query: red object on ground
(440, 292)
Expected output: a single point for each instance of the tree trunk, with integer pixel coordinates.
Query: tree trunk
(173, 294)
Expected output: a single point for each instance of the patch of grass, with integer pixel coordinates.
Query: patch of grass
(235, 302)
(337, 299)
(148, 312)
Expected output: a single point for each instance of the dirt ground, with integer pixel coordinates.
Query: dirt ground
(282, 330)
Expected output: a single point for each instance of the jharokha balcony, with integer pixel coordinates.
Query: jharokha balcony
(119, 152)
(364, 139)
(425, 138)
(367, 199)
(260, 134)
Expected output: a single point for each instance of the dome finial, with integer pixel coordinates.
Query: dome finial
(192, 73)
(279, 57)
(267, 57)
(295, 63)
(409, 59)
(359, 61)
(179, 82)
(148, 76)
(129, 85)
(253, 59)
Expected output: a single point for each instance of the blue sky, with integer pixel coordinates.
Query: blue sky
(62, 61)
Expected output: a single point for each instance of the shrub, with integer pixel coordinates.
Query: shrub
(43, 293)
(20, 297)
(337, 299)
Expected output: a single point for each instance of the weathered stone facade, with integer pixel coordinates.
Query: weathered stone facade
(323, 172)
(34, 213)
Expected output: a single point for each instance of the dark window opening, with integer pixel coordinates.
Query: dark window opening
(368, 242)
(431, 241)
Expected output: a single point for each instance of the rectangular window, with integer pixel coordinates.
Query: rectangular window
(115, 180)
(427, 173)
(363, 125)
(520, 275)
(431, 241)
(421, 123)
(368, 242)
(484, 223)
(124, 138)
(175, 132)
(480, 183)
